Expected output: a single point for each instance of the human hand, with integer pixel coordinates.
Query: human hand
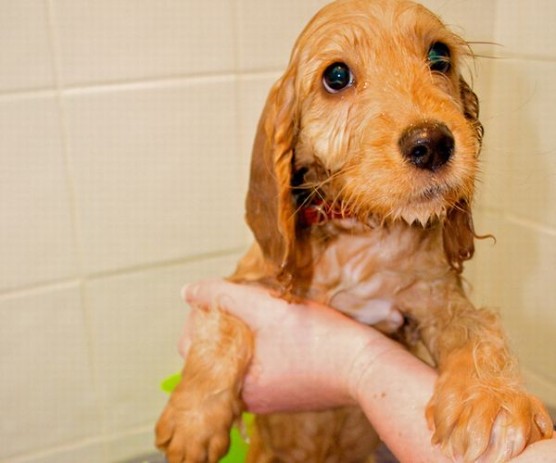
(310, 357)
(307, 356)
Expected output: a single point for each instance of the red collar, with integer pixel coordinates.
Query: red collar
(319, 212)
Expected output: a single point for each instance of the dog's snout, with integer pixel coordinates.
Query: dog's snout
(427, 146)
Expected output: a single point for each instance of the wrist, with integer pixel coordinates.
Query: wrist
(346, 352)
(363, 372)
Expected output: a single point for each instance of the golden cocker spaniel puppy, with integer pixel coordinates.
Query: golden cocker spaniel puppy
(362, 178)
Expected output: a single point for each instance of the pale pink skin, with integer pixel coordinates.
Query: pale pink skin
(310, 357)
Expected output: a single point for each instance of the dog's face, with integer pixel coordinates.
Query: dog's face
(381, 109)
(372, 116)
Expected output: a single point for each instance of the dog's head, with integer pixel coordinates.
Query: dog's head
(372, 119)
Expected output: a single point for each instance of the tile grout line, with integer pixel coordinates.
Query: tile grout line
(166, 81)
(64, 132)
(531, 225)
(87, 326)
(165, 264)
(238, 116)
(545, 229)
(13, 293)
(100, 439)
(136, 84)
(38, 288)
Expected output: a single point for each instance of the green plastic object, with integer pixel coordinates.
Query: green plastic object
(238, 446)
(170, 383)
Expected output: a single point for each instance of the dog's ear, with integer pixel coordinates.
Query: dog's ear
(270, 207)
(458, 235)
(459, 232)
(470, 103)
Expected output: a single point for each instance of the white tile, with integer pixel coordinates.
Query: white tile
(253, 91)
(156, 172)
(516, 276)
(484, 278)
(472, 19)
(46, 390)
(542, 388)
(137, 320)
(26, 60)
(526, 28)
(534, 165)
(523, 138)
(495, 172)
(128, 447)
(36, 238)
(82, 452)
(114, 40)
(267, 30)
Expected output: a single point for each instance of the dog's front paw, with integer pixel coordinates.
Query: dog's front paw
(197, 431)
(487, 421)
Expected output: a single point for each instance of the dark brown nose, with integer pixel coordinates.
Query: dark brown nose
(427, 146)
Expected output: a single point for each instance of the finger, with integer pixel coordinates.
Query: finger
(255, 305)
(243, 301)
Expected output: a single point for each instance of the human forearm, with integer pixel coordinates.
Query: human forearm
(321, 359)
(310, 357)
(540, 452)
(393, 391)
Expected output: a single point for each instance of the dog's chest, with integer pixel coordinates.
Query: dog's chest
(373, 276)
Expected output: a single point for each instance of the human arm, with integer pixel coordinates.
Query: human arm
(310, 357)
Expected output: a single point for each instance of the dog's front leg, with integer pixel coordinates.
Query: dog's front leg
(479, 409)
(195, 425)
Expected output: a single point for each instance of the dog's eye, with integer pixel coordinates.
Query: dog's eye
(439, 57)
(337, 77)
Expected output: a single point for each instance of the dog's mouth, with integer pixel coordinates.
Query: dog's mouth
(321, 201)
(427, 207)
(430, 194)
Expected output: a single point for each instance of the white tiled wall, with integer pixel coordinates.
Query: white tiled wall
(518, 204)
(115, 41)
(26, 61)
(125, 135)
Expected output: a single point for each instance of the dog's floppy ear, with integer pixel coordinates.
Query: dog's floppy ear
(458, 231)
(458, 235)
(270, 207)
(470, 103)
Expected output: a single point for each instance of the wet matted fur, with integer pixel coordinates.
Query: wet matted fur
(362, 178)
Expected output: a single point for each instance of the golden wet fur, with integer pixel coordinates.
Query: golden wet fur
(390, 254)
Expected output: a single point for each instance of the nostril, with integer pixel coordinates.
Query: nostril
(446, 146)
(427, 146)
(420, 152)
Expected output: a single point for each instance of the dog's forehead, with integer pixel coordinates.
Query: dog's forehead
(387, 13)
(371, 25)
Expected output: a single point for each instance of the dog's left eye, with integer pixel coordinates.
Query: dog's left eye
(439, 57)
(337, 77)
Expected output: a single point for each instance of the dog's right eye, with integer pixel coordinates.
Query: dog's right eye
(439, 57)
(337, 77)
